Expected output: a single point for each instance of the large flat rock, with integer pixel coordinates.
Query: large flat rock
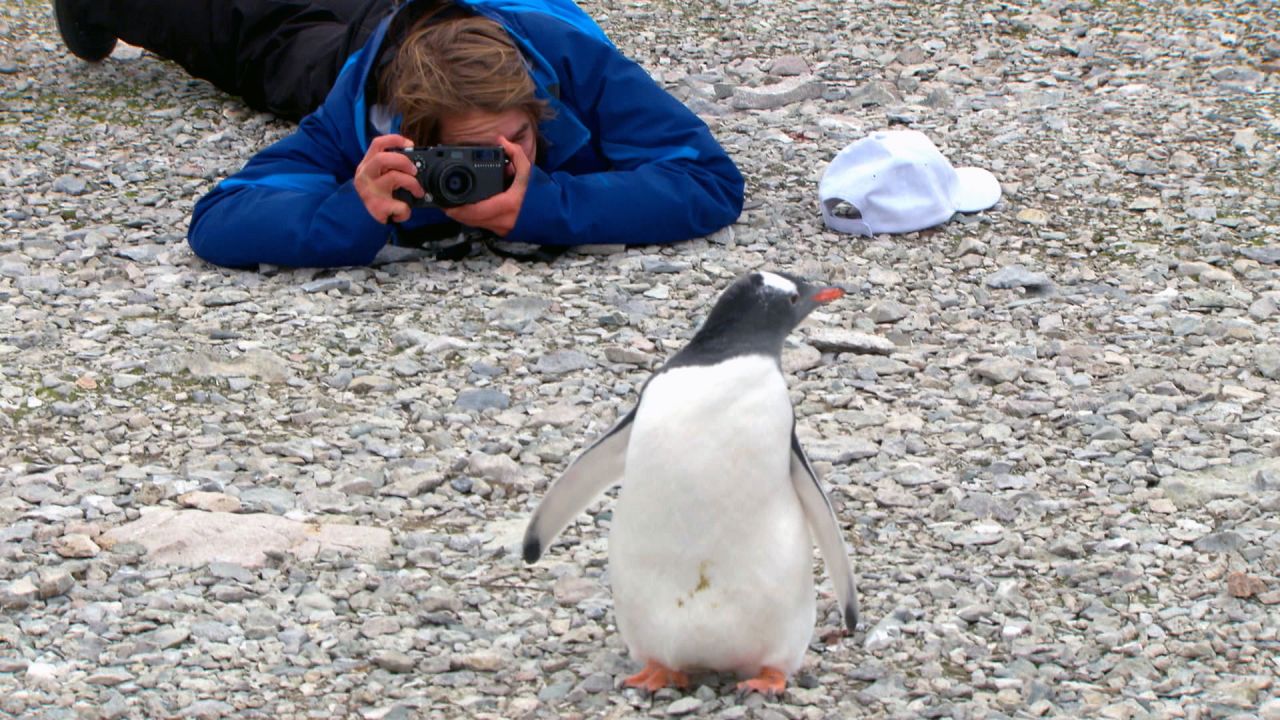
(193, 538)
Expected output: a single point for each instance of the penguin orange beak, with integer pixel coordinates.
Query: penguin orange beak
(826, 295)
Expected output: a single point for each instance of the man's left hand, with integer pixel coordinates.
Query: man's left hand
(498, 214)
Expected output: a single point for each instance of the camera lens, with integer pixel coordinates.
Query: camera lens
(456, 183)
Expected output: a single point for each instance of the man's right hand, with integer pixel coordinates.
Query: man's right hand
(381, 173)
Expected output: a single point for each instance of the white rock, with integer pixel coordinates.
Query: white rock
(193, 538)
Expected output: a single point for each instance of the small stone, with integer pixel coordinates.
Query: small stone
(169, 637)
(70, 184)
(1219, 542)
(800, 358)
(887, 312)
(110, 676)
(785, 92)
(886, 633)
(558, 415)
(210, 501)
(380, 625)
(498, 469)
(480, 399)
(684, 706)
(18, 594)
(884, 277)
(1015, 276)
(75, 545)
(561, 362)
(371, 384)
(42, 674)
(115, 707)
(999, 370)
(207, 710)
(1033, 216)
(1206, 213)
(662, 266)
(483, 661)
(596, 683)
(223, 298)
(327, 284)
(570, 591)
(54, 581)
(974, 613)
(789, 66)
(1242, 585)
(1144, 166)
(839, 340)
(873, 94)
(124, 381)
(518, 312)
(1245, 139)
(626, 356)
(394, 661)
(1269, 255)
(1267, 361)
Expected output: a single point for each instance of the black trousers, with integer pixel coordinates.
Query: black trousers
(281, 56)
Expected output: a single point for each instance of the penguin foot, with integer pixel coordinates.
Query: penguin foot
(768, 682)
(654, 677)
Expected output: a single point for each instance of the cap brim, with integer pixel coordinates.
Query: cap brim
(977, 189)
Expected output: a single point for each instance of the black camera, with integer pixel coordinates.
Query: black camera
(454, 175)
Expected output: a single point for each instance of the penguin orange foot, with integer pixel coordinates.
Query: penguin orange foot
(768, 682)
(654, 677)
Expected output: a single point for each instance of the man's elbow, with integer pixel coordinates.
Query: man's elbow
(209, 246)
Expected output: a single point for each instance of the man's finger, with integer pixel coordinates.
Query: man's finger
(518, 160)
(393, 180)
(386, 142)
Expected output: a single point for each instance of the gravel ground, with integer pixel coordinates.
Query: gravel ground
(1051, 430)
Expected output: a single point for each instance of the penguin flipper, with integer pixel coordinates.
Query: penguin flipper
(591, 473)
(826, 530)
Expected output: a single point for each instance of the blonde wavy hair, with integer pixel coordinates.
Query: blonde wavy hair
(452, 65)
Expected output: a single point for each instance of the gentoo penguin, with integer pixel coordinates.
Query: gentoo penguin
(710, 556)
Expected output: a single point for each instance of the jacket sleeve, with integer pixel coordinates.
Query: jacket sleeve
(294, 202)
(669, 179)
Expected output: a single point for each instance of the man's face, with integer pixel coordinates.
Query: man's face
(483, 128)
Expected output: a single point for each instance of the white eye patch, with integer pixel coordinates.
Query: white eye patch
(777, 282)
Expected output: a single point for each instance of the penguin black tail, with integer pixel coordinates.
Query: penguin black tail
(532, 547)
(850, 613)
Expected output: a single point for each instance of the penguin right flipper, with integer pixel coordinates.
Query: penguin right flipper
(594, 471)
(826, 530)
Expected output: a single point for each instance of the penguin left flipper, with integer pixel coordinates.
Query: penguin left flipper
(826, 531)
(594, 471)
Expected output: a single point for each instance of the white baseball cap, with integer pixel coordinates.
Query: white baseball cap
(899, 182)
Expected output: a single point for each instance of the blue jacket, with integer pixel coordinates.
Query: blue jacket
(621, 161)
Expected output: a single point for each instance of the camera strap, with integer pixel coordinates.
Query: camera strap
(451, 241)
(523, 251)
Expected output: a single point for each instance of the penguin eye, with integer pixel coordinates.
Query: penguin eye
(795, 298)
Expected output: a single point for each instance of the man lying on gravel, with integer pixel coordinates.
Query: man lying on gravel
(599, 153)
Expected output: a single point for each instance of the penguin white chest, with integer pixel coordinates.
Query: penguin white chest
(709, 552)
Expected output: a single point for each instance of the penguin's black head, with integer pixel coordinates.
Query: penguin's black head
(756, 312)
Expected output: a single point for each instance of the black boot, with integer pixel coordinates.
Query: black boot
(85, 40)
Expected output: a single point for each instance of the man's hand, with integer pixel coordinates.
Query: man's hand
(380, 173)
(498, 214)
